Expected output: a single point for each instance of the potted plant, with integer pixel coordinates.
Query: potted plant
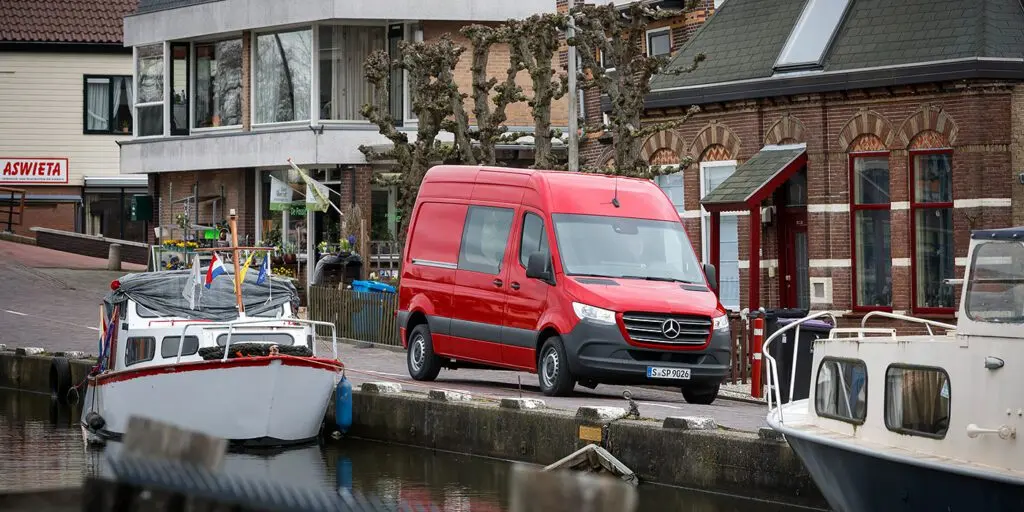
(289, 254)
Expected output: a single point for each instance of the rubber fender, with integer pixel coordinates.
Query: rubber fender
(343, 405)
(60, 378)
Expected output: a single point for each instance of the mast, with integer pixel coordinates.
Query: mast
(233, 223)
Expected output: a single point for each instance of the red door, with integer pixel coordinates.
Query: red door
(478, 303)
(527, 298)
(794, 279)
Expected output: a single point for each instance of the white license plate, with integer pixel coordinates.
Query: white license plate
(654, 372)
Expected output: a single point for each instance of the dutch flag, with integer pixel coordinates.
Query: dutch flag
(216, 269)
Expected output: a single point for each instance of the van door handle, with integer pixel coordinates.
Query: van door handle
(497, 282)
(515, 285)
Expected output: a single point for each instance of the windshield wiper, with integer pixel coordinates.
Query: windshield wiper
(659, 278)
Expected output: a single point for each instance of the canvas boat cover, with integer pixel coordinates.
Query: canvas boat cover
(161, 293)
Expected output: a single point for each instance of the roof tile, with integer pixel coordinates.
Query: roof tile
(64, 21)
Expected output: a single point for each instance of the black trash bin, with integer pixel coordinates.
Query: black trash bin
(782, 350)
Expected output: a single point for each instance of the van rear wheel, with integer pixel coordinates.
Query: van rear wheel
(553, 369)
(422, 362)
(703, 394)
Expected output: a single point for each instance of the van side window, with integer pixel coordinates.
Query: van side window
(169, 346)
(484, 239)
(917, 400)
(534, 238)
(139, 349)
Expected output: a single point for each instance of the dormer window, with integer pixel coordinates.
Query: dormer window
(811, 35)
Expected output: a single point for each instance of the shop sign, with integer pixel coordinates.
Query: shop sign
(33, 171)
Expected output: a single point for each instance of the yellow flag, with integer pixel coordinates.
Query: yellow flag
(245, 266)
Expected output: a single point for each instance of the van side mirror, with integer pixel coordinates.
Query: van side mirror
(712, 275)
(539, 267)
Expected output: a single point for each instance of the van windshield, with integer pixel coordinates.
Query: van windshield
(620, 247)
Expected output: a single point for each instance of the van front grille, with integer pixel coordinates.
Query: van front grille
(661, 328)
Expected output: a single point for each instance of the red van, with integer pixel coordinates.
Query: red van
(581, 278)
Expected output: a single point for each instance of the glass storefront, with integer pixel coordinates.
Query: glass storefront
(107, 212)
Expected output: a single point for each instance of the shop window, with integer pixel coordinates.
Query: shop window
(659, 42)
(108, 213)
(712, 174)
(917, 400)
(931, 217)
(149, 101)
(108, 104)
(218, 79)
(484, 239)
(344, 88)
(841, 390)
(139, 349)
(870, 213)
(169, 346)
(283, 76)
(534, 238)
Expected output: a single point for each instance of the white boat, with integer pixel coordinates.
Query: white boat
(248, 370)
(924, 422)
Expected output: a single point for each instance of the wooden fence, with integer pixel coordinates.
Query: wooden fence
(370, 317)
(361, 316)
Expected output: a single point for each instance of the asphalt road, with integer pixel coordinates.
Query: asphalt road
(43, 305)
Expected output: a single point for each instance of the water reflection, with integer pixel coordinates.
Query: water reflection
(41, 446)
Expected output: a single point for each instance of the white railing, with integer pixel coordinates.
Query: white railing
(928, 323)
(247, 322)
(773, 368)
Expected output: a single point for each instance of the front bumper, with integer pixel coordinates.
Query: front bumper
(600, 353)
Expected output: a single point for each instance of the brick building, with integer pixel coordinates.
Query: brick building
(64, 82)
(846, 148)
(224, 100)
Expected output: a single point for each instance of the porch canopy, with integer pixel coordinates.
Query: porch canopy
(752, 182)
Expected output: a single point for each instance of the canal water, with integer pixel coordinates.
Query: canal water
(41, 447)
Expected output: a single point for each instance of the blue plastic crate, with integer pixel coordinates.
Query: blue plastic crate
(372, 286)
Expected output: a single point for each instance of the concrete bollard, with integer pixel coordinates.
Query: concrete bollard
(521, 403)
(690, 423)
(444, 395)
(381, 388)
(770, 434)
(599, 414)
(114, 257)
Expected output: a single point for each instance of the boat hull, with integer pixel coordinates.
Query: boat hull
(264, 401)
(854, 481)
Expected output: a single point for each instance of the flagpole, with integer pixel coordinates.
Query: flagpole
(233, 223)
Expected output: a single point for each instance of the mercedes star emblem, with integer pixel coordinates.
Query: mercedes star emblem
(670, 328)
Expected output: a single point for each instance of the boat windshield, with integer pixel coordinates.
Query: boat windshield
(995, 288)
(620, 247)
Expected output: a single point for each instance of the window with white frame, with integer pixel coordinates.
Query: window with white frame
(218, 84)
(659, 42)
(712, 174)
(149, 102)
(344, 88)
(672, 184)
(283, 76)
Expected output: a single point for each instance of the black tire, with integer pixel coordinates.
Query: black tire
(60, 379)
(702, 394)
(553, 369)
(423, 364)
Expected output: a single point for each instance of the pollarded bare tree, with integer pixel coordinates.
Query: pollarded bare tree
(533, 45)
(616, 36)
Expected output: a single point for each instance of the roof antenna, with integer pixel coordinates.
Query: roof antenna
(615, 197)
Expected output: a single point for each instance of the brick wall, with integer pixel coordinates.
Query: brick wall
(975, 122)
(497, 64)
(237, 185)
(90, 245)
(48, 215)
(363, 176)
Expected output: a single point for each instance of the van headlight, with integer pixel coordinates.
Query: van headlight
(720, 323)
(594, 314)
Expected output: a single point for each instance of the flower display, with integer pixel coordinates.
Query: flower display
(180, 244)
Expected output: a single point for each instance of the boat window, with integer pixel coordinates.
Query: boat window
(145, 312)
(270, 313)
(917, 400)
(841, 391)
(169, 346)
(139, 349)
(995, 288)
(277, 338)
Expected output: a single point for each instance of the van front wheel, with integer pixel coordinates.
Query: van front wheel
(423, 363)
(553, 369)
